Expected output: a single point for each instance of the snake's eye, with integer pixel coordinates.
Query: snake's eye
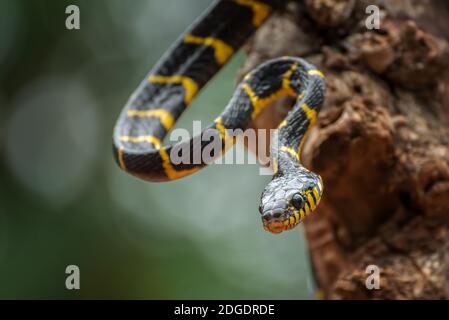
(298, 201)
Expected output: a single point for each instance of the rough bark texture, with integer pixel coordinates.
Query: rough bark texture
(381, 143)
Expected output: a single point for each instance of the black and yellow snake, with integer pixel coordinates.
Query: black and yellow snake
(173, 83)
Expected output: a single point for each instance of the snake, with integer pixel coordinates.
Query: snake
(172, 84)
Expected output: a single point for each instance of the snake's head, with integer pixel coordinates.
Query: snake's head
(286, 200)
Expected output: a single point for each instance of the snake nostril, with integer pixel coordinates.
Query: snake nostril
(277, 213)
(272, 214)
(267, 215)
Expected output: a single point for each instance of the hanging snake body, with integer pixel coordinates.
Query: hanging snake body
(173, 83)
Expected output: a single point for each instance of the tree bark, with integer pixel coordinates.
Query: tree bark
(381, 143)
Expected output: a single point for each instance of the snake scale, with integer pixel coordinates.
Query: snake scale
(186, 67)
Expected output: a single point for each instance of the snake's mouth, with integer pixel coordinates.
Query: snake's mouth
(274, 226)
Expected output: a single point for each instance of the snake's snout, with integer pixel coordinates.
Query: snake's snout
(273, 219)
(273, 214)
(273, 210)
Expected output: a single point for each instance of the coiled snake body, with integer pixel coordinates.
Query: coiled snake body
(170, 87)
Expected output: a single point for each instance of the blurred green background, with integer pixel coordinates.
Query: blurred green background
(64, 201)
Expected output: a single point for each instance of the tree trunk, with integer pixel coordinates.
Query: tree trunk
(381, 143)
